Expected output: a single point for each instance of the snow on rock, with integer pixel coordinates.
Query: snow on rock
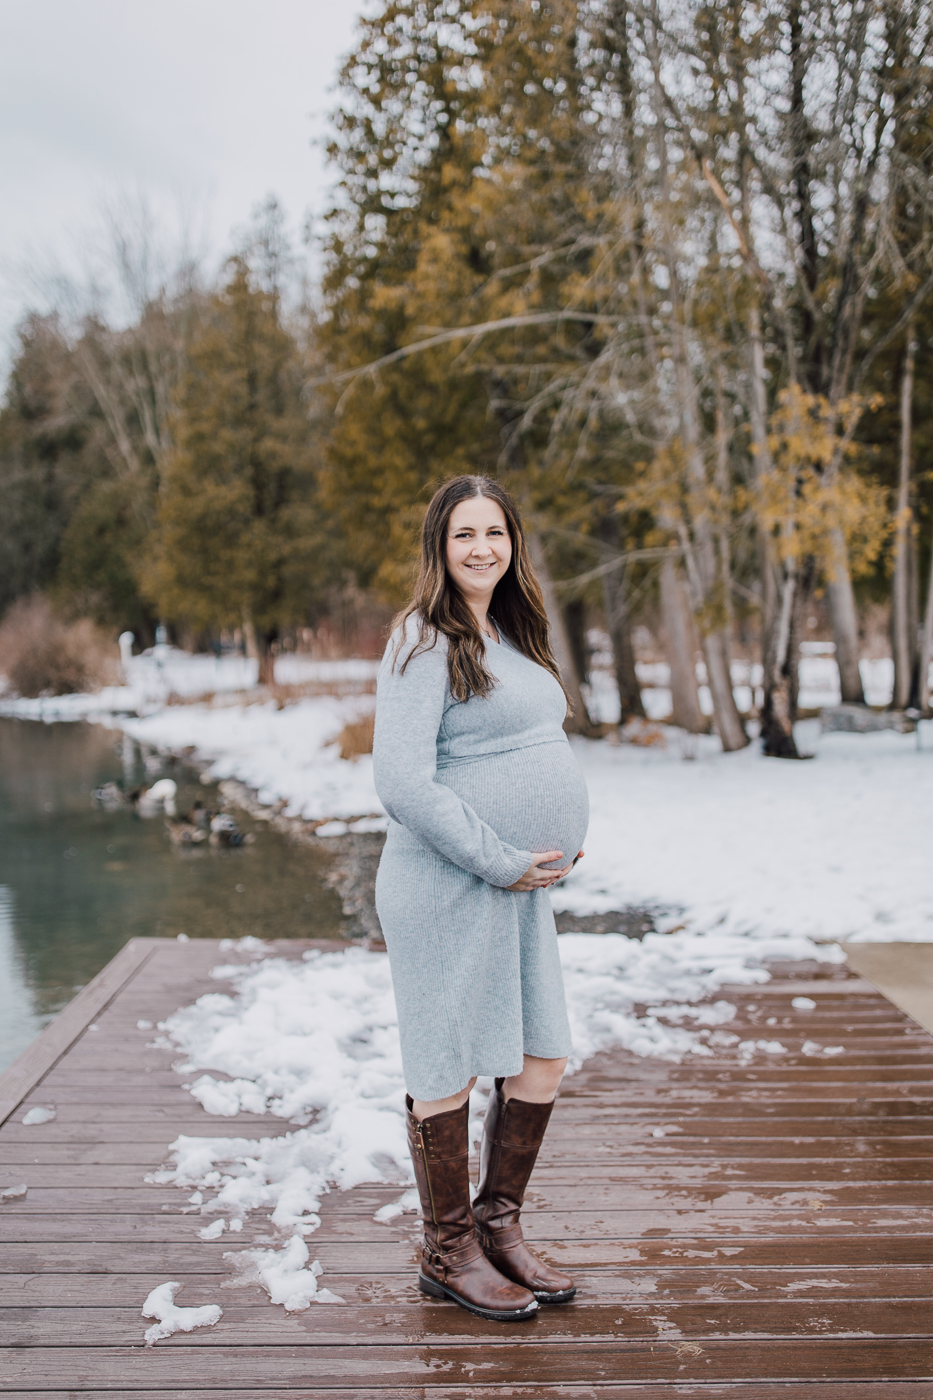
(170, 1318)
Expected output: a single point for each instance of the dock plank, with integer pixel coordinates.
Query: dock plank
(776, 1243)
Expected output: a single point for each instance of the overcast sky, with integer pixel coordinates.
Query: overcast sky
(203, 104)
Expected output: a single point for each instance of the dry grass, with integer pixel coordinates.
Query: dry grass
(356, 738)
(644, 734)
(40, 654)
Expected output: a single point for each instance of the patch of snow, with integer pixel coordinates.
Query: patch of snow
(803, 1004)
(284, 1275)
(213, 1232)
(747, 1048)
(408, 1202)
(170, 1318)
(16, 1192)
(39, 1115)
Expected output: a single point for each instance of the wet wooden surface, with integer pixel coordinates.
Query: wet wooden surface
(745, 1224)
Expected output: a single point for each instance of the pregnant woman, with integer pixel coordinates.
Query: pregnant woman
(487, 808)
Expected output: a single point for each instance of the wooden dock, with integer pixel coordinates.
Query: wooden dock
(760, 1230)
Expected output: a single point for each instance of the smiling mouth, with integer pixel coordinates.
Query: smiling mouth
(481, 568)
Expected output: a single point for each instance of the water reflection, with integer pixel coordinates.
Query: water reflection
(76, 881)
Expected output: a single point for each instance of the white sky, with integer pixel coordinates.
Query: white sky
(207, 105)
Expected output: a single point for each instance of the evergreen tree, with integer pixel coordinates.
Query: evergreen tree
(235, 521)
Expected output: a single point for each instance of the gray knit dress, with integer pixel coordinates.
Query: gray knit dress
(472, 789)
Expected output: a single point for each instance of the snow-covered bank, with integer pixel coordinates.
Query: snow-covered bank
(835, 847)
(287, 755)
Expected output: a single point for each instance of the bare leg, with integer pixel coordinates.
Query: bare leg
(537, 1083)
(427, 1109)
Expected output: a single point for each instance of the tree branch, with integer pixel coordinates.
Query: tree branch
(538, 318)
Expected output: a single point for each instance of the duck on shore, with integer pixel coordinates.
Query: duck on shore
(224, 832)
(159, 798)
(111, 796)
(182, 832)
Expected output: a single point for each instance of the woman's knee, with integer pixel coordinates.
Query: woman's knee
(550, 1072)
(427, 1108)
(538, 1081)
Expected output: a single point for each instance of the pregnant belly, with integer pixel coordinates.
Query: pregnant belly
(533, 798)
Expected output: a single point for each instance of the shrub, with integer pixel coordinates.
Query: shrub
(356, 738)
(41, 654)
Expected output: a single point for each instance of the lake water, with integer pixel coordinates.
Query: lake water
(76, 881)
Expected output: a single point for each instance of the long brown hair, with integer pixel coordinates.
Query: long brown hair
(440, 608)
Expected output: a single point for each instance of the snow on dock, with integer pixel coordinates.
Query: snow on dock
(755, 1217)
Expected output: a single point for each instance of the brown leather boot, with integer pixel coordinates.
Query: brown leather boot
(512, 1135)
(452, 1263)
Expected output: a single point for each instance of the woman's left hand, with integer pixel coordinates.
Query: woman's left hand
(560, 874)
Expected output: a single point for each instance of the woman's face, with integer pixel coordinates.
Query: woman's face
(479, 549)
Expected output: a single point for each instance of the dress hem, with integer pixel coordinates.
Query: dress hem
(485, 1073)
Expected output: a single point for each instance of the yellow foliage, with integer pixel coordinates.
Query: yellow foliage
(812, 489)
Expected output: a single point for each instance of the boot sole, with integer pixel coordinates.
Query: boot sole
(563, 1297)
(439, 1290)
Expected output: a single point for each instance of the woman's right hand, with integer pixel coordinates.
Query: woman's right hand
(534, 877)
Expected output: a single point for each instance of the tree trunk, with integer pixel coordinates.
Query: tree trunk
(266, 665)
(619, 626)
(706, 586)
(726, 717)
(841, 598)
(777, 593)
(926, 648)
(780, 690)
(723, 490)
(575, 623)
(249, 638)
(681, 650)
(707, 582)
(266, 648)
(902, 642)
(579, 722)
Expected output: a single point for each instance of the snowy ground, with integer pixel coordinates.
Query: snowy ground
(164, 675)
(818, 673)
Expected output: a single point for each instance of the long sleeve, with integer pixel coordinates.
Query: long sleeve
(409, 713)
